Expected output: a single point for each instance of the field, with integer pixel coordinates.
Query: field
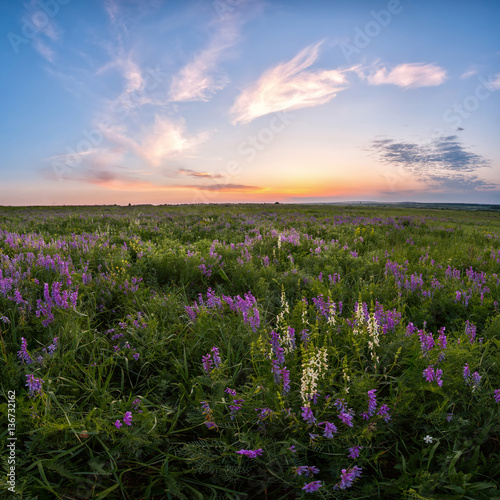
(249, 351)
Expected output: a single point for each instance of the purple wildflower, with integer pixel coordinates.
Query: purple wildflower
(442, 343)
(292, 449)
(52, 347)
(466, 371)
(235, 407)
(135, 405)
(117, 424)
(429, 373)
(230, 391)
(330, 429)
(127, 418)
(410, 329)
(34, 385)
(276, 346)
(346, 418)
(251, 453)
(207, 363)
(470, 331)
(205, 407)
(216, 356)
(340, 405)
(304, 335)
(207, 411)
(426, 342)
(439, 373)
(263, 413)
(372, 402)
(312, 486)
(449, 417)
(476, 379)
(384, 412)
(307, 471)
(275, 370)
(347, 477)
(354, 452)
(23, 353)
(496, 395)
(285, 377)
(308, 415)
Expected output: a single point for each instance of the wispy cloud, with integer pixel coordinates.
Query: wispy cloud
(111, 7)
(162, 140)
(45, 25)
(289, 86)
(495, 82)
(202, 175)
(201, 78)
(99, 166)
(74, 158)
(408, 75)
(44, 50)
(126, 57)
(167, 139)
(225, 187)
(470, 72)
(133, 92)
(124, 13)
(443, 163)
(45, 30)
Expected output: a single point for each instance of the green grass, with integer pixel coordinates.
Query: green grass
(67, 444)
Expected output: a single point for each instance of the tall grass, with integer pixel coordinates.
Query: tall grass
(347, 301)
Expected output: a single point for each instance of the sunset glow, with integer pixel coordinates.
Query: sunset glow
(249, 101)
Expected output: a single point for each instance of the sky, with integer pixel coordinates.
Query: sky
(216, 101)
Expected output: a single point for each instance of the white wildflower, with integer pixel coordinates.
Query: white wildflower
(360, 318)
(331, 314)
(373, 331)
(312, 370)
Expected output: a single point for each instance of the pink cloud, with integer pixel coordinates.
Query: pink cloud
(409, 75)
(289, 86)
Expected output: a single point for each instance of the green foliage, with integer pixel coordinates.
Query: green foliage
(136, 338)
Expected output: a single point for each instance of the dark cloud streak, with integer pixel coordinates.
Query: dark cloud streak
(443, 163)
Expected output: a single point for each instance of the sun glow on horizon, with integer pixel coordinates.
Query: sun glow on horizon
(155, 101)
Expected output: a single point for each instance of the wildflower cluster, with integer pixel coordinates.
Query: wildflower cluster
(211, 360)
(348, 476)
(34, 385)
(314, 367)
(251, 453)
(432, 374)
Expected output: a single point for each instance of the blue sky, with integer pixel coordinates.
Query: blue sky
(124, 101)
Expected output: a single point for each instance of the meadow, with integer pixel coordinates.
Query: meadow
(249, 352)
